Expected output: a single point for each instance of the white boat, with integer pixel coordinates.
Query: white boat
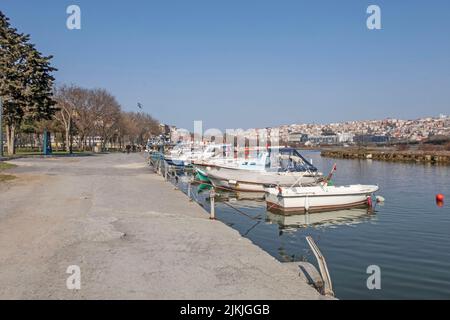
(184, 155)
(318, 198)
(276, 166)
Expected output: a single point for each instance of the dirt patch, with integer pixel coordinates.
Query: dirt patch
(6, 177)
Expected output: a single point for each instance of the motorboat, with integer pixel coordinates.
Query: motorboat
(185, 155)
(322, 197)
(274, 166)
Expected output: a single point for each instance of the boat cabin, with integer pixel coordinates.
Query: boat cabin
(279, 160)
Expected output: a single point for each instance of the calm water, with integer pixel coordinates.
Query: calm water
(408, 237)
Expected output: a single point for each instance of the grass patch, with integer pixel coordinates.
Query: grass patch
(6, 166)
(6, 177)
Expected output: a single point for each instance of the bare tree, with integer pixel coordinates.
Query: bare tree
(68, 99)
(106, 115)
(85, 118)
(96, 113)
(139, 127)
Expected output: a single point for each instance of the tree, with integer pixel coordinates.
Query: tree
(25, 81)
(68, 99)
(138, 127)
(106, 114)
(85, 118)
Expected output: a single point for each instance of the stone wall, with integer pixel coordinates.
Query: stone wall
(400, 156)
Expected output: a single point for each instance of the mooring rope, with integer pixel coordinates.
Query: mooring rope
(226, 203)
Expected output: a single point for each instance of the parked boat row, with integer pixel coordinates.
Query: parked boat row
(290, 182)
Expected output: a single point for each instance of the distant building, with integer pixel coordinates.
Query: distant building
(297, 137)
(369, 138)
(345, 137)
(328, 139)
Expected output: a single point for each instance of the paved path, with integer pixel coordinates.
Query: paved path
(131, 233)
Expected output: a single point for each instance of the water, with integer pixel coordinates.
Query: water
(408, 237)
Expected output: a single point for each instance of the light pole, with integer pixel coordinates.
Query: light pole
(1, 128)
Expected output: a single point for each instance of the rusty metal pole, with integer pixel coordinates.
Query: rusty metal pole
(323, 268)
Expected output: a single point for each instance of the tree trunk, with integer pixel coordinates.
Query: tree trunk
(10, 139)
(103, 145)
(68, 137)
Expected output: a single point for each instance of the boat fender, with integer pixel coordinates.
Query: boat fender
(380, 199)
(369, 201)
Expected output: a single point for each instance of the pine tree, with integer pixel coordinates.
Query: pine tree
(26, 81)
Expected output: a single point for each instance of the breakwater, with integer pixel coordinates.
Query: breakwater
(437, 157)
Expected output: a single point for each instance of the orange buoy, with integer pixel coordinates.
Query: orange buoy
(440, 204)
(439, 197)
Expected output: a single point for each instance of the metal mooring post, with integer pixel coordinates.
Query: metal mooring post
(175, 174)
(189, 191)
(212, 194)
(166, 171)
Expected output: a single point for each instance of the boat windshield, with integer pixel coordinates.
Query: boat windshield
(289, 160)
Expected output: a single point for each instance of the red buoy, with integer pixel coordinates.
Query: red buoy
(439, 197)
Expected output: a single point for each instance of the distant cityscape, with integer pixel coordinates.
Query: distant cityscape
(368, 131)
(365, 131)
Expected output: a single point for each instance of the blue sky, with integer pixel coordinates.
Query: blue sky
(251, 63)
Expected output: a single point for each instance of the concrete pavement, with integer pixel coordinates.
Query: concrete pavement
(131, 233)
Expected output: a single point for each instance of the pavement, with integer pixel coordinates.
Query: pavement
(131, 234)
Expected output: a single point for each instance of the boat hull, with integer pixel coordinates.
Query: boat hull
(254, 181)
(200, 176)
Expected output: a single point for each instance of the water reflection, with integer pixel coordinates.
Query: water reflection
(240, 196)
(323, 219)
(253, 206)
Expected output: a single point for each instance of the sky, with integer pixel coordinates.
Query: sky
(251, 63)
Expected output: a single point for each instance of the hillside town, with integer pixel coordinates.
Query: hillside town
(340, 133)
(369, 131)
